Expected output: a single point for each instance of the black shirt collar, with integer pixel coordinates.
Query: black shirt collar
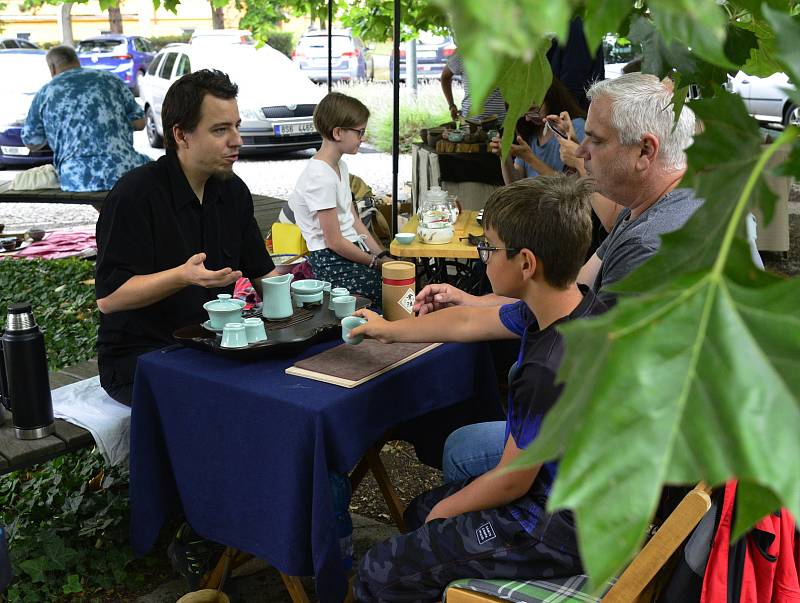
(182, 193)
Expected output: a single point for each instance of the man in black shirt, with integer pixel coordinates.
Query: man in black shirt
(175, 233)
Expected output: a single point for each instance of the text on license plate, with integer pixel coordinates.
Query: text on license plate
(294, 129)
(15, 150)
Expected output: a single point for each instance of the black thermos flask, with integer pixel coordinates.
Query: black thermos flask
(27, 385)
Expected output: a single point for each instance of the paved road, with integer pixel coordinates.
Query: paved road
(273, 175)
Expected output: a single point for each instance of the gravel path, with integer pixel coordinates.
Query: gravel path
(273, 175)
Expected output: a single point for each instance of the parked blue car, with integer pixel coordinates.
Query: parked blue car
(127, 57)
(24, 72)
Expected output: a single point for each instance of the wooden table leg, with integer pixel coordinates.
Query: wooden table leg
(295, 588)
(219, 572)
(384, 483)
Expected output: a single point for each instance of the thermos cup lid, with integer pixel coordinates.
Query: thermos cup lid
(19, 308)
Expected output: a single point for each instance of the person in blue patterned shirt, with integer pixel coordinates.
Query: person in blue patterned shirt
(87, 117)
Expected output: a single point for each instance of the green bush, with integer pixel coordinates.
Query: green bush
(281, 40)
(428, 108)
(63, 304)
(411, 120)
(159, 42)
(64, 537)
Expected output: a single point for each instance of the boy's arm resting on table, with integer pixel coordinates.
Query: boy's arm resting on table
(491, 490)
(439, 296)
(142, 290)
(332, 231)
(462, 324)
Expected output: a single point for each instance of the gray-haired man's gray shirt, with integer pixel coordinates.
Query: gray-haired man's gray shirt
(631, 242)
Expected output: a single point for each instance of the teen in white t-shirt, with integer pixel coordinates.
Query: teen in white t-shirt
(341, 249)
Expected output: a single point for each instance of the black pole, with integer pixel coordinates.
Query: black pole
(395, 114)
(330, 39)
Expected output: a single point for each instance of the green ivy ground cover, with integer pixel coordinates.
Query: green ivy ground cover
(68, 541)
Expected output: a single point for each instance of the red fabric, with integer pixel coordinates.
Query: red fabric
(763, 581)
(62, 245)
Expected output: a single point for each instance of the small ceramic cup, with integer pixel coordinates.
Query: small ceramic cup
(344, 305)
(234, 335)
(326, 286)
(254, 329)
(348, 324)
(336, 292)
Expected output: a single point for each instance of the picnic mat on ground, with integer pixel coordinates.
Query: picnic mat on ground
(351, 365)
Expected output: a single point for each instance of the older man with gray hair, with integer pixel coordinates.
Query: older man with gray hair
(635, 152)
(87, 117)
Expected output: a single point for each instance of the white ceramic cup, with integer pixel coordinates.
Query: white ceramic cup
(348, 324)
(336, 292)
(234, 335)
(254, 330)
(344, 305)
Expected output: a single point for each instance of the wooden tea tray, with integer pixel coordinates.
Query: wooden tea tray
(307, 325)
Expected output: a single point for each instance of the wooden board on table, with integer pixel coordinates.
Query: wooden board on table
(351, 365)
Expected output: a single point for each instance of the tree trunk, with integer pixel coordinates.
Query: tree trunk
(218, 17)
(65, 22)
(115, 19)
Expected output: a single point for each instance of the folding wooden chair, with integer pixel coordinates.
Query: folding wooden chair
(637, 584)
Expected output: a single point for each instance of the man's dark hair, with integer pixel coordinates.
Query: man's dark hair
(551, 216)
(183, 100)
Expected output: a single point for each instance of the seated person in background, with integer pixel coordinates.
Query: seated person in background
(175, 233)
(496, 526)
(341, 249)
(495, 103)
(87, 116)
(635, 153)
(537, 150)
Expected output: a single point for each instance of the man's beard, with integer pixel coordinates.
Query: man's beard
(224, 173)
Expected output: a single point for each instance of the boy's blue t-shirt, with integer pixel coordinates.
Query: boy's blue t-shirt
(533, 391)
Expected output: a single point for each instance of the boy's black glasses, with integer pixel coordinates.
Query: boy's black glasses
(356, 130)
(485, 250)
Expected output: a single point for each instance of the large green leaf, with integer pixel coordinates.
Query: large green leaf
(698, 24)
(521, 84)
(604, 16)
(696, 378)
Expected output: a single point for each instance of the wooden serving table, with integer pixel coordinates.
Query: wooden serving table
(465, 271)
(457, 248)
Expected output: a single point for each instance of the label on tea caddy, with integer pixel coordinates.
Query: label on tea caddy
(407, 300)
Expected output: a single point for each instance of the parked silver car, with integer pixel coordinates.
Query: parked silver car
(276, 101)
(767, 98)
(349, 56)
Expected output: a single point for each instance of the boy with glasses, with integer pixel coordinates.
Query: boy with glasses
(341, 248)
(496, 526)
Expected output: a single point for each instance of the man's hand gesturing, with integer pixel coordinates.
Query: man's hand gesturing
(195, 273)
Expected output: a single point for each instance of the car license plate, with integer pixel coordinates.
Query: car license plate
(15, 150)
(426, 54)
(305, 127)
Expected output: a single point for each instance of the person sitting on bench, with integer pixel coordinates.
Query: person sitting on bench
(87, 116)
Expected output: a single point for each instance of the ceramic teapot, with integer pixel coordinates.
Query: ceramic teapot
(277, 297)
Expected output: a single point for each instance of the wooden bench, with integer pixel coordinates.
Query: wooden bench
(266, 209)
(19, 454)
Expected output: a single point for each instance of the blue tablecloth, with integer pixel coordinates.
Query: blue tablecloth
(245, 449)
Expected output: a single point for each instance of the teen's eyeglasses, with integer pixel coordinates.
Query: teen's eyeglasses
(485, 250)
(356, 130)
